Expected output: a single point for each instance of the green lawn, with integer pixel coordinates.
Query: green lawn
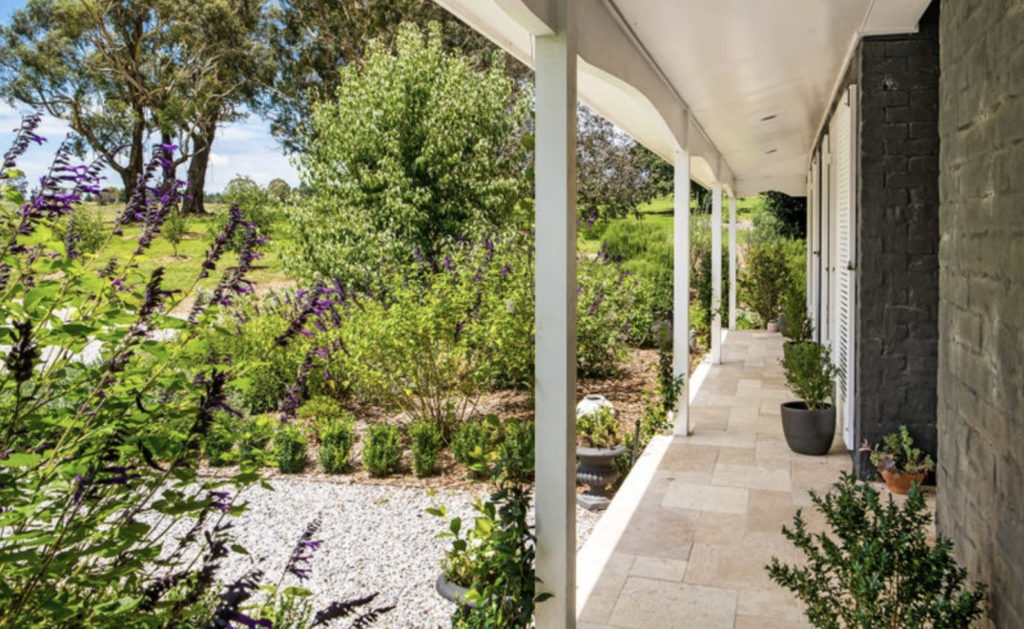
(181, 270)
(660, 211)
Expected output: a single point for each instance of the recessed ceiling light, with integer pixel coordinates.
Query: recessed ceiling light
(770, 151)
(769, 117)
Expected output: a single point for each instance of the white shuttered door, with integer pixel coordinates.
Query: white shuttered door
(844, 229)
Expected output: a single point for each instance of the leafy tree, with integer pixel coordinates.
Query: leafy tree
(613, 179)
(120, 70)
(278, 189)
(315, 41)
(791, 213)
(417, 148)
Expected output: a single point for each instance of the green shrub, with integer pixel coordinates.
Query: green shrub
(321, 408)
(220, 440)
(425, 442)
(810, 373)
(382, 451)
(87, 227)
(440, 158)
(494, 558)
(174, 228)
(875, 568)
(274, 368)
(607, 305)
(598, 429)
(290, 448)
(515, 451)
(256, 433)
(255, 202)
(765, 278)
(337, 435)
(472, 441)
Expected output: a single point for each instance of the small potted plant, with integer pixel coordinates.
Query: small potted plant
(797, 328)
(598, 444)
(809, 424)
(899, 462)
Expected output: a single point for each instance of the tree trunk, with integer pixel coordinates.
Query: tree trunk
(194, 189)
(133, 169)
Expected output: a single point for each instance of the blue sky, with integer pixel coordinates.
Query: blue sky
(244, 147)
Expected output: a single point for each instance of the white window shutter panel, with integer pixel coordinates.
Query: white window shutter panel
(844, 126)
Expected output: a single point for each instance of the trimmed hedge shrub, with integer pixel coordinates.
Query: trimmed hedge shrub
(290, 448)
(425, 440)
(383, 450)
(337, 435)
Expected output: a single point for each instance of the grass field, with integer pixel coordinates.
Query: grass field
(181, 270)
(659, 211)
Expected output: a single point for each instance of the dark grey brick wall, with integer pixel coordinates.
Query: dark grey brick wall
(981, 282)
(898, 236)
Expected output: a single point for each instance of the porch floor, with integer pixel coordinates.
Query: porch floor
(694, 550)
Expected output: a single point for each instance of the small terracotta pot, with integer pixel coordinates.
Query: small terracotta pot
(772, 326)
(900, 483)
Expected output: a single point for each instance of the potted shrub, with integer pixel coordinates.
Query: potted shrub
(899, 462)
(797, 328)
(874, 566)
(489, 569)
(598, 445)
(809, 424)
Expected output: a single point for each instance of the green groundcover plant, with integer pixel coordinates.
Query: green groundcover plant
(875, 568)
(105, 401)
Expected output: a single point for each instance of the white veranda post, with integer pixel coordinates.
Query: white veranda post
(716, 273)
(556, 321)
(681, 290)
(732, 262)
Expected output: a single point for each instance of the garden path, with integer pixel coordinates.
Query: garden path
(709, 519)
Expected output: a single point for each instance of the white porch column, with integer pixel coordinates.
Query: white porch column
(732, 261)
(716, 273)
(681, 291)
(555, 368)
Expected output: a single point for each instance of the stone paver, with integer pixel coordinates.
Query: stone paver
(694, 552)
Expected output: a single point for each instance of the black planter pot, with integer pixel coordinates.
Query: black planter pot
(596, 470)
(782, 324)
(808, 432)
(452, 591)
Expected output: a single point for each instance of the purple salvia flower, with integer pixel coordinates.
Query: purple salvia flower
(24, 136)
(298, 563)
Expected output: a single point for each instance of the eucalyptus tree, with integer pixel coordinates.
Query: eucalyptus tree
(118, 71)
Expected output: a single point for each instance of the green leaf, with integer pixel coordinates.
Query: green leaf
(21, 459)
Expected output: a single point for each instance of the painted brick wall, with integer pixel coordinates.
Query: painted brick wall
(981, 281)
(898, 237)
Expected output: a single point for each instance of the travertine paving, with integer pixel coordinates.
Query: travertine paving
(694, 552)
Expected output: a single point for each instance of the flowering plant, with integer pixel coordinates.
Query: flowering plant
(897, 454)
(105, 407)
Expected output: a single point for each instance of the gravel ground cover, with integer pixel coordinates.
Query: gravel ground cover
(376, 538)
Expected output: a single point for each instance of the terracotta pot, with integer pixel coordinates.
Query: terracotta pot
(900, 483)
(773, 326)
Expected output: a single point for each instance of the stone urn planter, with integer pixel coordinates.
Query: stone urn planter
(807, 431)
(452, 591)
(899, 483)
(596, 469)
(595, 461)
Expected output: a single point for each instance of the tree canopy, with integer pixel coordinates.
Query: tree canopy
(121, 71)
(416, 149)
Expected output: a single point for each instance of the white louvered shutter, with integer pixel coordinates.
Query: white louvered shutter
(843, 354)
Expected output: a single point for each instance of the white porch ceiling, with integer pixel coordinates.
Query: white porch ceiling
(704, 74)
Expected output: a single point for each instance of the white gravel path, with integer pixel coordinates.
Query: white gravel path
(375, 539)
